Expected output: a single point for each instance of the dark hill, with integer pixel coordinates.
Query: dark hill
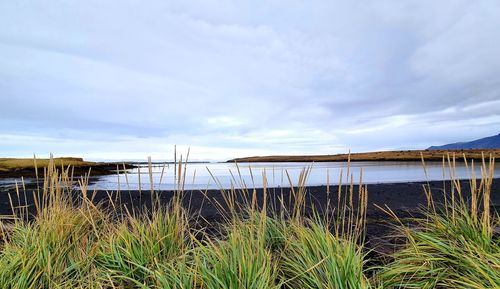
(491, 142)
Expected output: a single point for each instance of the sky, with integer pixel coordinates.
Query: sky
(124, 79)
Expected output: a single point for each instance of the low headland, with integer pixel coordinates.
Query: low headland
(33, 167)
(409, 155)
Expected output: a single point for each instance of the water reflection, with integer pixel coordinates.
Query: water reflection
(215, 175)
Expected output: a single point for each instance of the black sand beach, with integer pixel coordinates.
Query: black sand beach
(404, 199)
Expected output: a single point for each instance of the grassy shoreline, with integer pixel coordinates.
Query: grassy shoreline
(410, 155)
(31, 167)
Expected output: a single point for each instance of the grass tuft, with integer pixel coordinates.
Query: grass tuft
(316, 258)
(453, 246)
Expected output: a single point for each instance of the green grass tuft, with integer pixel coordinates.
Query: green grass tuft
(451, 247)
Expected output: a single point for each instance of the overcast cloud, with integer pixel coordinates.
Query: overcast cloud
(128, 79)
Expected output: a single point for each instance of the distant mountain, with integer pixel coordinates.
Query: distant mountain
(491, 142)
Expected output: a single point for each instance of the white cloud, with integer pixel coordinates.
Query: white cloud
(128, 78)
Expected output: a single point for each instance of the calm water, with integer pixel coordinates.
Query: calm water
(215, 175)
